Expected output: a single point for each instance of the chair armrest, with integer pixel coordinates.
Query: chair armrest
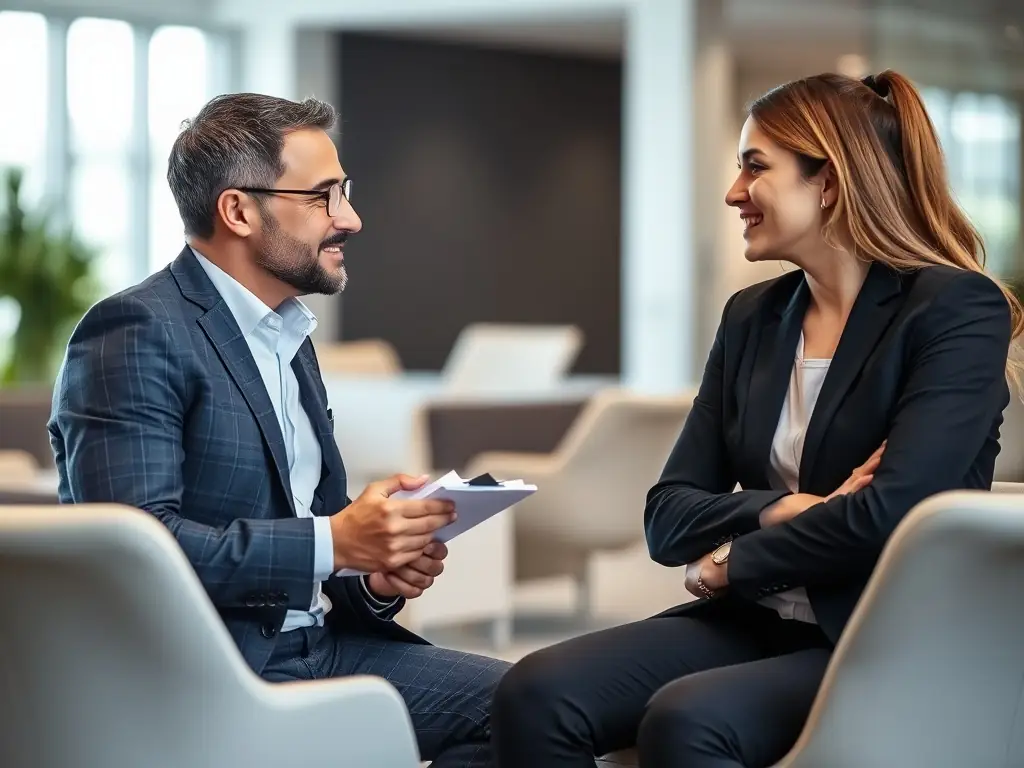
(358, 720)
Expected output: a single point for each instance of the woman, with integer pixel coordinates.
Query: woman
(838, 396)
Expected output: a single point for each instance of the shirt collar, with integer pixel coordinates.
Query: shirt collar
(249, 311)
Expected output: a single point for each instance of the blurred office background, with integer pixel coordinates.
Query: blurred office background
(545, 250)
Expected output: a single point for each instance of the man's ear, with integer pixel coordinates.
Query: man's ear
(236, 212)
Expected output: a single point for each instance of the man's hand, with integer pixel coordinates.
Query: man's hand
(788, 507)
(377, 533)
(412, 580)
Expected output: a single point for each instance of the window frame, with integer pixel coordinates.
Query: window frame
(223, 66)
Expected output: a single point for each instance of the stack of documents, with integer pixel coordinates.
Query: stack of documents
(476, 500)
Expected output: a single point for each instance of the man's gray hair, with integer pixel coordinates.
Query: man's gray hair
(234, 141)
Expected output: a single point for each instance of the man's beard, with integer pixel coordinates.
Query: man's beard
(295, 263)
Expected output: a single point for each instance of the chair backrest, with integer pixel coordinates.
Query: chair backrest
(24, 412)
(928, 672)
(1006, 487)
(17, 465)
(514, 359)
(608, 461)
(1010, 461)
(366, 357)
(111, 654)
(101, 613)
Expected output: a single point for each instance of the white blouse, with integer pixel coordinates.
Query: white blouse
(787, 447)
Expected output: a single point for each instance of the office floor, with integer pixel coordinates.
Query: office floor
(627, 587)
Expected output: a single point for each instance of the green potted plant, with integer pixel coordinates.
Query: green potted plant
(47, 272)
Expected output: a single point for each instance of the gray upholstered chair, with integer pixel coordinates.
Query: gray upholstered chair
(928, 672)
(111, 654)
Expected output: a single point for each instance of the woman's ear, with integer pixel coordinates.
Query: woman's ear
(829, 185)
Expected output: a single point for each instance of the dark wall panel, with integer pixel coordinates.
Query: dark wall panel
(488, 184)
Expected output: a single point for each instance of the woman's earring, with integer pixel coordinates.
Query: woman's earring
(823, 206)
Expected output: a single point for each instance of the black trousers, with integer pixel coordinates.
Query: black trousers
(728, 684)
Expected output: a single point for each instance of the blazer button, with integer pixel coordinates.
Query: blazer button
(268, 631)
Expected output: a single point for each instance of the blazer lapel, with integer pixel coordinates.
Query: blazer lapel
(220, 327)
(222, 330)
(773, 365)
(872, 313)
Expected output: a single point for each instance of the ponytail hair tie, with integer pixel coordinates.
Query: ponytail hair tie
(880, 88)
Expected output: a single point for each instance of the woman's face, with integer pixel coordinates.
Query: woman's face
(781, 210)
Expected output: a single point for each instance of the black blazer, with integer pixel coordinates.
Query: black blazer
(920, 363)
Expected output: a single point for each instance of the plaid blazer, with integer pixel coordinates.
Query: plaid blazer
(159, 405)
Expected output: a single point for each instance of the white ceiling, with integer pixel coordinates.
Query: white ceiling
(939, 39)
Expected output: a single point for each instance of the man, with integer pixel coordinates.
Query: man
(196, 396)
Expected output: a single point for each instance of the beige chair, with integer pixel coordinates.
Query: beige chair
(24, 412)
(928, 672)
(1005, 487)
(1010, 461)
(366, 357)
(592, 488)
(17, 465)
(490, 359)
(112, 655)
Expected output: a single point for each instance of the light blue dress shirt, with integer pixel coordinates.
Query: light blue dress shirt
(274, 338)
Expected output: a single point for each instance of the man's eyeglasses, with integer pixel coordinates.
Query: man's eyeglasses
(332, 195)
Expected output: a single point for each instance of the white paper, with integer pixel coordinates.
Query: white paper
(474, 504)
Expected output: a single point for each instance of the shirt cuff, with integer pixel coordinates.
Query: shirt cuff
(377, 605)
(323, 549)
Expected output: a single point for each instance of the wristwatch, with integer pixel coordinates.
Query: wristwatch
(721, 555)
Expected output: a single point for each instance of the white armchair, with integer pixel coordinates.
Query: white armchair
(112, 655)
(494, 359)
(928, 672)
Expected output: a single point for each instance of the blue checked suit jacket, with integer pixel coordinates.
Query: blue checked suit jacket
(159, 405)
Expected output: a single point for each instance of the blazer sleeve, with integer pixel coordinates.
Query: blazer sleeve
(692, 509)
(955, 389)
(120, 408)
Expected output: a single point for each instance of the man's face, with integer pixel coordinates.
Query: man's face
(300, 243)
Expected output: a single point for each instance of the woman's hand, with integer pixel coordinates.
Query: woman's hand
(861, 476)
(715, 577)
(788, 507)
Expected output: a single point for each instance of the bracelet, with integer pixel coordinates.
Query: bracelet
(708, 592)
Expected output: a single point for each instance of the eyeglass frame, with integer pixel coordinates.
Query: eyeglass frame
(344, 188)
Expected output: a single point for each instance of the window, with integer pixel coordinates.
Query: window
(179, 85)
(100, 98)
(94, 106)
(981, 136)
(24, 50)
